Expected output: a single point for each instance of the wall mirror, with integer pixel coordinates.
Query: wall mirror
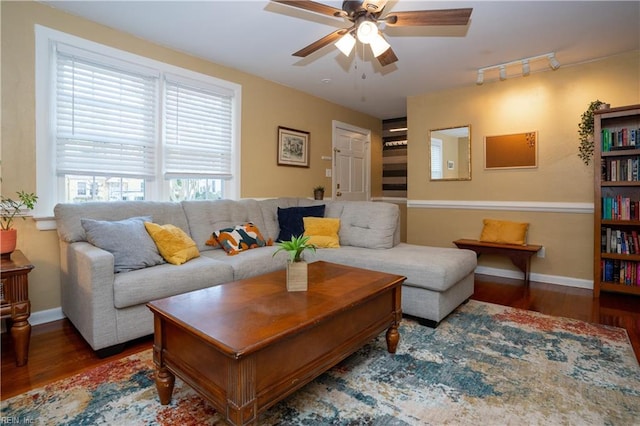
(450, 151)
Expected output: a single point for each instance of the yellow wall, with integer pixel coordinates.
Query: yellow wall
(550, 103)
(265, 106)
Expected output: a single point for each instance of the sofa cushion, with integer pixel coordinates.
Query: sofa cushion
(174, 245)
(291, 223)
(322, 231)
(433, 268)
(205, 217)
(144, 285)
(251, 262)
(68, 215)
(239, 238)
(127, 240)
(368, 224)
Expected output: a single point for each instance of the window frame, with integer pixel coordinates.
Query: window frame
(51, 191)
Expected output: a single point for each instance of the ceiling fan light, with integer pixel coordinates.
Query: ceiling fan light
(346, 43)
(366, 32)
(379, 45)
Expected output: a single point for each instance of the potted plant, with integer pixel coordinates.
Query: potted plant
(11, 208)
(585, 131)
(296, 266)
(318, 192)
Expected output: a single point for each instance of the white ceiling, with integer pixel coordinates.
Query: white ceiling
(259, 37)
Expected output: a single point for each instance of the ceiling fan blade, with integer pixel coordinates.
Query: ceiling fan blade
(318, 44)
(387, 58)
(312, 6)
(429, 17)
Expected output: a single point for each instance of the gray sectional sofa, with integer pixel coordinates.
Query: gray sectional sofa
(109, 309)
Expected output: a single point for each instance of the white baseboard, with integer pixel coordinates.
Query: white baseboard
(45, 316)
(541, 278)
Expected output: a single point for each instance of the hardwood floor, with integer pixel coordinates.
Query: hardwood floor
(57, 350)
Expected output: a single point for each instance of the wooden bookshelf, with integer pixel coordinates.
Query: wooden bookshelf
(617, 200)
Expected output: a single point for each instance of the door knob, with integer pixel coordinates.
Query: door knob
(338, 194)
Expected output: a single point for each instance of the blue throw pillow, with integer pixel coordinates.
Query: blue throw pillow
(290, 220)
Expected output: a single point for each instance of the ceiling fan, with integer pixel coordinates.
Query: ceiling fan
(365, 16)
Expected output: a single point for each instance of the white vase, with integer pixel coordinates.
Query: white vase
(297, 276)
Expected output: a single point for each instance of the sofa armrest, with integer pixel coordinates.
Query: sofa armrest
(87, 292)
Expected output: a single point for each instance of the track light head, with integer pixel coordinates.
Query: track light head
(480, 78)
(553, 62)
(503, 72)
(526, 70)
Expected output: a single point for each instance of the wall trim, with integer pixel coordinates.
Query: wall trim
(541, 278)
(531, 206)
(48, 315)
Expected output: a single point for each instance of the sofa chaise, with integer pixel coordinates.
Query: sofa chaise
(109, 308)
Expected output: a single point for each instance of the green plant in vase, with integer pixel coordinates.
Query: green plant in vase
(585, 132)
(297, 268)
(9, 209)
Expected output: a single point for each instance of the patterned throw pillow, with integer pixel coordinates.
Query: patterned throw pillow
(239, 238)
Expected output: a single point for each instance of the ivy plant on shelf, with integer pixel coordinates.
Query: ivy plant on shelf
(585, 132)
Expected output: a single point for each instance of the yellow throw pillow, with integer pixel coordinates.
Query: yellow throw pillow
(504, 232)
(323, 231)
(174, 245)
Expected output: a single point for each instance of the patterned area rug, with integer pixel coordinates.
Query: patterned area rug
(484, 363)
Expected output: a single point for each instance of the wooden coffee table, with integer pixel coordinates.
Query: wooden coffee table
(247, 344)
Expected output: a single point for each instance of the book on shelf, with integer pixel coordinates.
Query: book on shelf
(621, 272)
(619, 138)
(620, 208)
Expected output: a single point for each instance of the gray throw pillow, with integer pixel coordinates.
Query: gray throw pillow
(128, 241)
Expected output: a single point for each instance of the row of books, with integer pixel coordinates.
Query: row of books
(621, 272)
(620, 208)
(619, 241)
(622, 138)
(626, 169)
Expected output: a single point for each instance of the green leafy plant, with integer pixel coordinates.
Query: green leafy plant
(295, 246)
(10, 207)
(585, 131)
(318, 188)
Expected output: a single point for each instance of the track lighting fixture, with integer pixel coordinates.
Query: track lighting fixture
(524, 62)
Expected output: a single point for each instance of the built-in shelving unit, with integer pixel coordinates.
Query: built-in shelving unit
(617, 200)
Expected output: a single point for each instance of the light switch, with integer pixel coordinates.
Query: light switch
(327, 172)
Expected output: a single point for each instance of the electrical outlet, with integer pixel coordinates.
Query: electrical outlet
(327, 172)
(541, 253)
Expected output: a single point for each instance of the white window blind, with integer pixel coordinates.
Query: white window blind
(197, 131)
(436, 158)
(105, 118)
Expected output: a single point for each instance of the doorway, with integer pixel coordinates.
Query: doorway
(351, 174)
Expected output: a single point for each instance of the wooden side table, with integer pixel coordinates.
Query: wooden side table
(14, 301)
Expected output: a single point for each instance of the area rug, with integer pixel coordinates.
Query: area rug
(484, 364)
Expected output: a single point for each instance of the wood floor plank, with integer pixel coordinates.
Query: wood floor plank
(57, 350)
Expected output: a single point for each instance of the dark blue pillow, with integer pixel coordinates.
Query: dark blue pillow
(290, 220)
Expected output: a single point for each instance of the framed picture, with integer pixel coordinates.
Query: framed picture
(293, 147)
(515, 151)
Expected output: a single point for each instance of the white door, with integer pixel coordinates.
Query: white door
(351, 162)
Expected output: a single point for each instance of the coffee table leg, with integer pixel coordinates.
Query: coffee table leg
(393, 337)
(164, 383)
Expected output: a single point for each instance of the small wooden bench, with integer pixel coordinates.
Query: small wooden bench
(520, 255)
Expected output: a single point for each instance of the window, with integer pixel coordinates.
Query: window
(116, 126)
(436, 158)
